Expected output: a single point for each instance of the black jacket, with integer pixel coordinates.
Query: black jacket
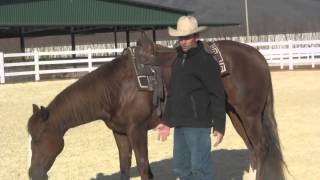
(196, 96)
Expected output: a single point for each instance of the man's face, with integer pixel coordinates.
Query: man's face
(187, 42)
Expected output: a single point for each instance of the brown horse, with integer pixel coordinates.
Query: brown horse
(249, 103)
(109, 93)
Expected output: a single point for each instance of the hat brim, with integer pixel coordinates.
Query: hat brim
(175, 33)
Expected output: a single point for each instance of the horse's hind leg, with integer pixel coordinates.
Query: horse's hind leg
(139, 141)
(254, 132)
(237, 124)
(125, 154)
(251, 132)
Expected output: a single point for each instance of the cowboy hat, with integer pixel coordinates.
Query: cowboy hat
(186, 25)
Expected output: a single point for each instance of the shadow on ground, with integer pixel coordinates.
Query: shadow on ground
(228, 165)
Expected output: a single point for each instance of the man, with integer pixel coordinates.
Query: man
(196, 102)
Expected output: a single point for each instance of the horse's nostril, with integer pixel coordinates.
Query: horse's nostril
(37, 174)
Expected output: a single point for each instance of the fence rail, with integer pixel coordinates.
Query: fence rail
(290, 53)
(36, 62)
(281, 54)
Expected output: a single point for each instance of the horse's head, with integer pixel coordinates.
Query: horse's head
(151, 53)
(46, 143)
(145, 50)
(37, 122)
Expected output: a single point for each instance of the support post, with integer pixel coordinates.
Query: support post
(2, 78)
(128, 38)
(154, 35)
(73, 42)
(22, 44)
(115, 40)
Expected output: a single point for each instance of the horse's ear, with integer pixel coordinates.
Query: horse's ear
(146, 43)
(35, 108)
(44, 113)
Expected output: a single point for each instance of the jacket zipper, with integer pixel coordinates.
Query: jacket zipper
(183, 59)
(195, 113)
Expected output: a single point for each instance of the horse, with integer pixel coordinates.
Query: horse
(249, 94)
(109, 93)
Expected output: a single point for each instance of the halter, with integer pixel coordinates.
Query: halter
(142, 78)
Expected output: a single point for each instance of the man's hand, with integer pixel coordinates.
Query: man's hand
(164, 131)
(218, 138)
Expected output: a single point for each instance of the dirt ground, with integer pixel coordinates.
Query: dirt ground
(90, 152)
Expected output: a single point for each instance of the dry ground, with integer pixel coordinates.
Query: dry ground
(90, 151)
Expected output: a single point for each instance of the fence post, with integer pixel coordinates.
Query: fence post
(312, 60)
(2, 78)
(290, 55)
(90, 60)
(281, 61)
(36, 65)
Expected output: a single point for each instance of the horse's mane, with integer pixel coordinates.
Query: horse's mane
(78, 103)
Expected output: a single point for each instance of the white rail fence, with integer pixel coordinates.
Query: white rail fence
(85, 64)
(290, 53)
(281, 54)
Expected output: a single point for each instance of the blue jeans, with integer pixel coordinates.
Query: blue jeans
(192, 154)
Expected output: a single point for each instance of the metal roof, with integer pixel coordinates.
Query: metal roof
(84, 12)
(48, 17)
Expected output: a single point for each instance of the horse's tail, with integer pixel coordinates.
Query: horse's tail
(273, 162)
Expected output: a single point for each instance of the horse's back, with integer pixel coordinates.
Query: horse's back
(241, 54)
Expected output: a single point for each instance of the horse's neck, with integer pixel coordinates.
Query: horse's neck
(165, 55)
(70, 109)
(86, 100)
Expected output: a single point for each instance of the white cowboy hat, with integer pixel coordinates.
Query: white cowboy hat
(186, 25)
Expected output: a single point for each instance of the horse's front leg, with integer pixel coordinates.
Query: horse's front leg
(139, 142)
(125, 154)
